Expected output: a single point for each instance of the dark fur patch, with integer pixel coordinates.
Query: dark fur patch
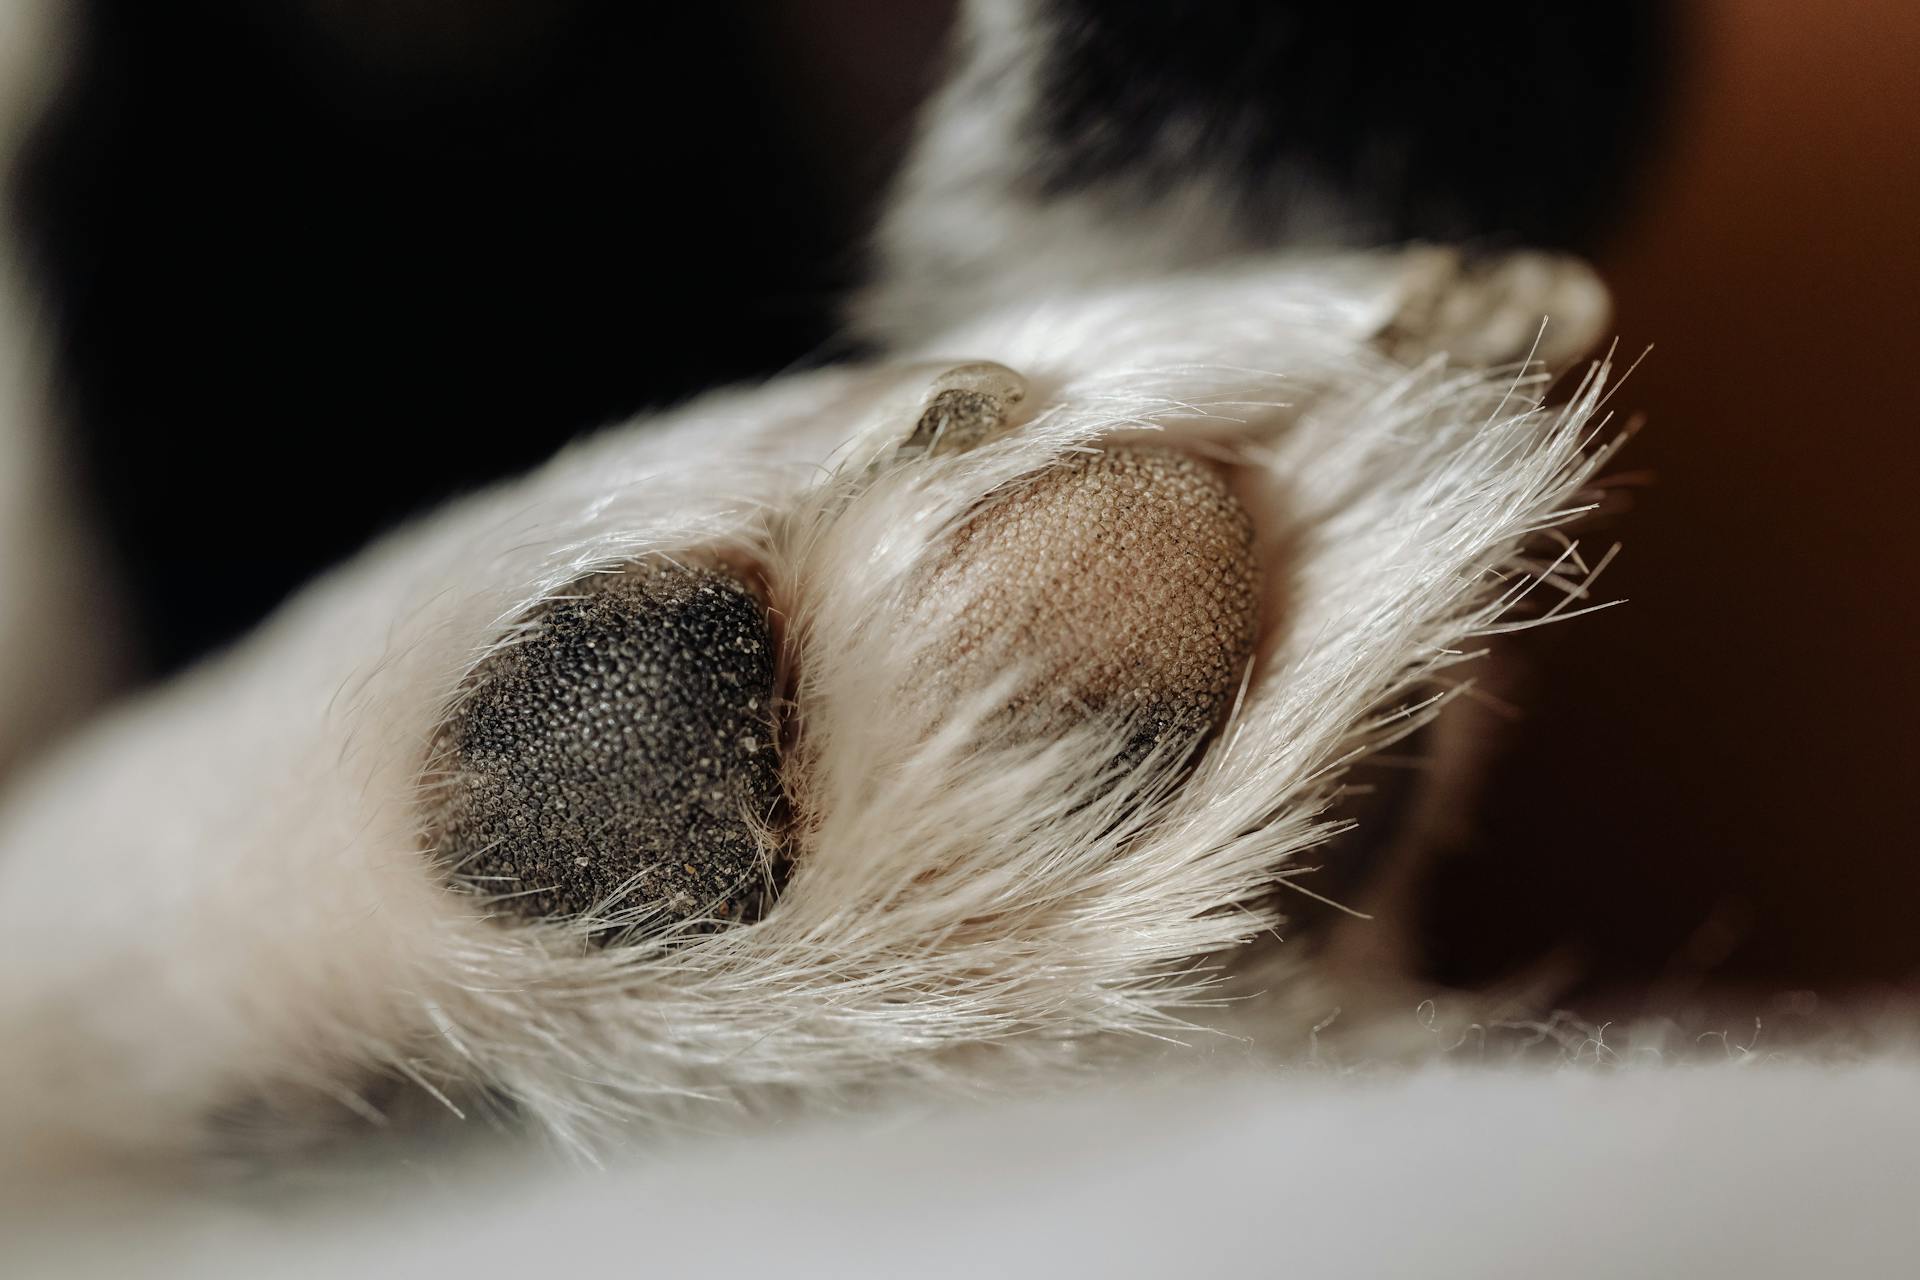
(1519, 123)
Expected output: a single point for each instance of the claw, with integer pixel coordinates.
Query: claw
(967, 406)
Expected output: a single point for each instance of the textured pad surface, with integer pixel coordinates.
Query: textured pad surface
(1120, 583)
(623, 746)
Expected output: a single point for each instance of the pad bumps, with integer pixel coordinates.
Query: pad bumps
(1121, 583)
(625, 745)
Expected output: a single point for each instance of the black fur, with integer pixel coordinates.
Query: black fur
(1482, 122)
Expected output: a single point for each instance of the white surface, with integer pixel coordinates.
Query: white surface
(1748, 1171)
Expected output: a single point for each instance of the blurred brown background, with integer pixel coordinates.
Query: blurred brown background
(1714, 782)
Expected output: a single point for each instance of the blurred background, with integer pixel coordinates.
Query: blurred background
(1711, 786)
(316, 264)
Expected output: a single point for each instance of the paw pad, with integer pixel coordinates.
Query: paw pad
(1122, 582)
(618, 759)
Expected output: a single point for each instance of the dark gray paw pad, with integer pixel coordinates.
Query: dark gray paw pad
(618, 760)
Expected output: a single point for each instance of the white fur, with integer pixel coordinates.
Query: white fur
(965, 233)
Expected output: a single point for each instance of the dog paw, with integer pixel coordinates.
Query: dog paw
(909, 726)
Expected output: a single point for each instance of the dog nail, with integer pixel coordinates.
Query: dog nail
(965, 407)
